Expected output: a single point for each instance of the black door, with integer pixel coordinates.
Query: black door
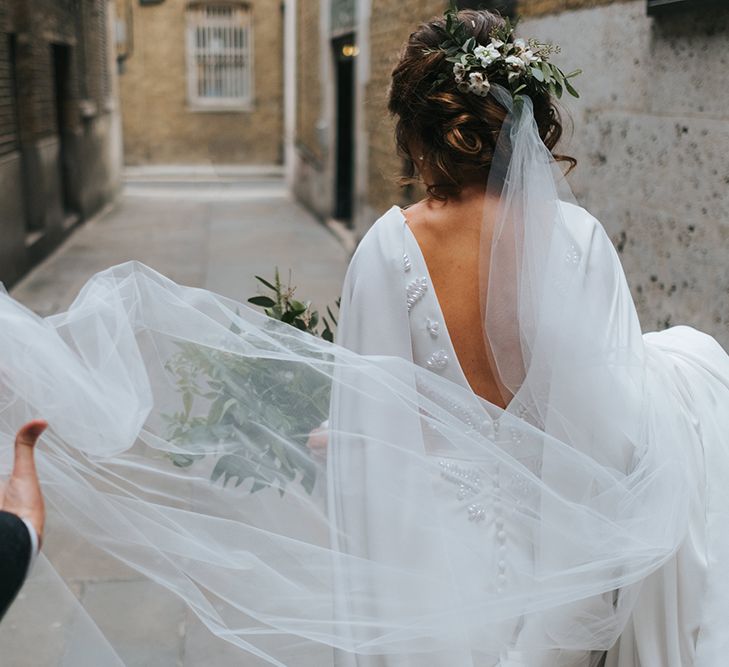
(345, 52)
(15, 101)
(61, 59)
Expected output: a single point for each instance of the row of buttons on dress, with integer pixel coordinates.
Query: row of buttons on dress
(469, 480)
(415, 291)
(470, 483)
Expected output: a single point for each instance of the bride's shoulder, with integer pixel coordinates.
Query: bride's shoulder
(577, 218)
(383, 240)
(584, 227)
(377, 261)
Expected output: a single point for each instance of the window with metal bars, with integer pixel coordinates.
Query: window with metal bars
(219, 56)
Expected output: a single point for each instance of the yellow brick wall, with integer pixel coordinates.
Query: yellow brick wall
(309, 97)
(159, 128)
(390, 27)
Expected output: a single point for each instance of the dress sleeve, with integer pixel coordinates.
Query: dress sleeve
(373, 316)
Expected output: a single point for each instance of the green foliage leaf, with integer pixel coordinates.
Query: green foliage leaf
(469, 45)
(266, 283)
(263, 301)
(537, 74)
(183, 460)
(257, 411)
(570, 89)
(187, 401)
(298, 307)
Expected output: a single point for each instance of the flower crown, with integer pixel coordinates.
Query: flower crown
(524, 64)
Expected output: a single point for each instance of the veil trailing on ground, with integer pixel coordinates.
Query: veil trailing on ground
(177, 443)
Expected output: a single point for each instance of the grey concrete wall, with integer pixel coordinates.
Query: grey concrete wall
(652, 139)
(12, 219)
(99, 166)
(313, 185)
(95, 180)
(314, 163)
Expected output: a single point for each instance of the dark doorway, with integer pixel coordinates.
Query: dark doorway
(61, 62)
(15, 101)
(345, 52)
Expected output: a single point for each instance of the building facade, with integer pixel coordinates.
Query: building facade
(60, 154)
(651, 131)
(202, 82)
(345, 166)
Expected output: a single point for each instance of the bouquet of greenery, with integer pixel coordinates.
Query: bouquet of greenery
(262, 406)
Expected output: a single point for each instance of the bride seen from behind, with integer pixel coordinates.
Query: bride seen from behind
(514, 474)
(448, 134)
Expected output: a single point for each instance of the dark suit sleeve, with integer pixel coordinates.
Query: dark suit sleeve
(15, 554)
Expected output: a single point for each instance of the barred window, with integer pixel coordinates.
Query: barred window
(219, 56)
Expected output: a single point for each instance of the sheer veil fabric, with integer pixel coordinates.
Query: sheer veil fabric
(439, 529)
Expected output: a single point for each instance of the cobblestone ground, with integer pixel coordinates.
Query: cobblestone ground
(213, 235)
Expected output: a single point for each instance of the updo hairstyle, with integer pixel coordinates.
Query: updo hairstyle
(453, 133)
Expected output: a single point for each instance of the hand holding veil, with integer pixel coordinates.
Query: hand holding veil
(178, 422)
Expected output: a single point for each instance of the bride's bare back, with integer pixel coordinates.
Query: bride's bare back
(449, 236)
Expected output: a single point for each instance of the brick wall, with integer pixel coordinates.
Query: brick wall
(390, 26)
(8, 111)
(158, 125)
(51, 176)
(46, 22)
(309, 93)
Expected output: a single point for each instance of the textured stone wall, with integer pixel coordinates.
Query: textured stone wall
(391, 24)
(651, 134)
(652, 139)
(158, 125)
(530, 8)
(309, 92)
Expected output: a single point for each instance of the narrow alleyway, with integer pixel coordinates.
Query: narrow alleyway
(210, 234)
(216, 235)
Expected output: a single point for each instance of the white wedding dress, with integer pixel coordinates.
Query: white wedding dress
(678, 616)
(590, 517)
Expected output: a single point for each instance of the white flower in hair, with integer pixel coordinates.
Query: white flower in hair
(479, 84)
(486, 54)
(514, 66)
(459, 70)
(528, 57)
(524, 63)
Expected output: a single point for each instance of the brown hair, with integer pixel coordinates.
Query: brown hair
(454, 132)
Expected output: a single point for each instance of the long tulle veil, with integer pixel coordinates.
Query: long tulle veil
(177, 443)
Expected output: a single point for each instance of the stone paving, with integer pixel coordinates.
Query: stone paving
(213, 235)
